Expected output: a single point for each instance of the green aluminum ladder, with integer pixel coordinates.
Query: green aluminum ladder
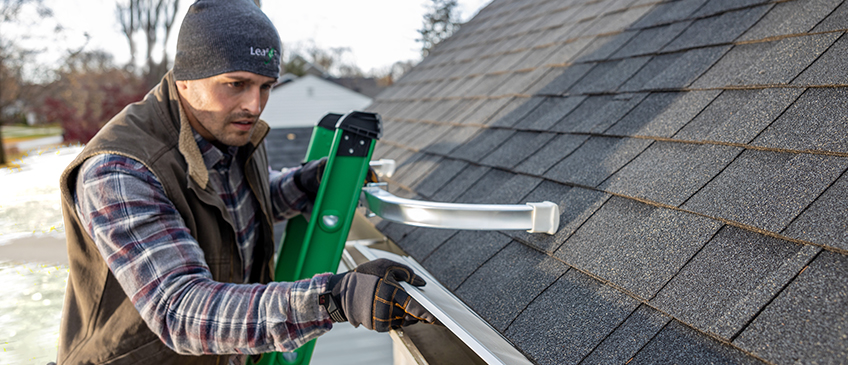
(315, 246)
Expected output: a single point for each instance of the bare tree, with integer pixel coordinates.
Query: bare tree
(14, 57)
(154, 19)
(439, 24)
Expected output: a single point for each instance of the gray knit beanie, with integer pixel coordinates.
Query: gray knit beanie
(220, 36)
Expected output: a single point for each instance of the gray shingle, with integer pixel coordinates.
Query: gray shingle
(678, 344)
(686, 68)
(787, 58)
(767, 189)
(576, 205)
(420, 242)
(776, 62)
(485, 186)
(568, 51)
(636, 246)
(828, 68)
(514, 111)
(460, 183)
(489, 83)
(663, 114)
(460, 255)
(670, 173)
(537, 57)
(790, 17)
(586, 312)
(455, 137)
(597, 113)
(486, 110)
(836, 20)
(438, 111)
(720, 6)
(549, 113)
(461, 112)
(651, 40)
(509, 281)
(601, 47)
(519, 82)
(507, 61)
(737, 116)
(412, 174)
(718, 29)
(551, 153)
(668, 12)
(608, 76)
(559, 18)
(397, 130)
(484, 142)
(618, 21)
(733, 65)
(807, 322)
(434, 134)
(512, 190)
(409, 165)
(818, 120)
(596, 160)
(517, 148)
(409, 133)
(824, 221)
(652, 69)
(642, 325)
(479, 66)
(439, 176)
(395, 231)
(569, 76)
(736, 274)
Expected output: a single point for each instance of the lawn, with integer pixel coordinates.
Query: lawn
(15, 133)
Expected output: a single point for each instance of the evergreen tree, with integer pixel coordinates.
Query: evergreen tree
(439, 23)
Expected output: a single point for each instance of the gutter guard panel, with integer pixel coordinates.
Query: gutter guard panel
(476, 333)
(533, 217)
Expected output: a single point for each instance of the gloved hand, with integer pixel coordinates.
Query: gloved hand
(370, 295)
(371, 176)
(308, 177)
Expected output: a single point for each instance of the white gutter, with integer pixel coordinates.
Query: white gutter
(476, 333)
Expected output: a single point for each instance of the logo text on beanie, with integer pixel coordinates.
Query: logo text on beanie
(267, 52)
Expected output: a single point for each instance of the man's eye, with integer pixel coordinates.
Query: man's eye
(237, 84)
(266, 87)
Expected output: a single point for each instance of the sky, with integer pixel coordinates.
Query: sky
(378, 32)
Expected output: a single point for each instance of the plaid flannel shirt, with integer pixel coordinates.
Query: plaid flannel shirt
(162, 269)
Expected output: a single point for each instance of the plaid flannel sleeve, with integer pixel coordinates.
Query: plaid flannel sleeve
(287, 200)
(162, 270)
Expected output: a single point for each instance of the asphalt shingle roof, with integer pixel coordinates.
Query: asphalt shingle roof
(697, 150)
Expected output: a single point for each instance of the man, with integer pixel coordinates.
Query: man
(168, 214)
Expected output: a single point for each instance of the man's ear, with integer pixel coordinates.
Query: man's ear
(182, 84)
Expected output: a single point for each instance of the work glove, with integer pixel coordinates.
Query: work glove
(370, 295)
(308, 177)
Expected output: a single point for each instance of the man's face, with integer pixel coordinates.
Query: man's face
(225, 108)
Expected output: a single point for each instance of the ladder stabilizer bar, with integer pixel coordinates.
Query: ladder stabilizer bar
(533, 217)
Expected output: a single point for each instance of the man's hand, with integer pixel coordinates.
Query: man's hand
(308, 177)
(370, 295)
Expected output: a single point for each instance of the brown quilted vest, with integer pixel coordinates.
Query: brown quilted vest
(99, 323)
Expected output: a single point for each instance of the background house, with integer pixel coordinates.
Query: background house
(697, 150)
(295, 107)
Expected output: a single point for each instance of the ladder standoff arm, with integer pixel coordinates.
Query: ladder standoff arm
(533, 217)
